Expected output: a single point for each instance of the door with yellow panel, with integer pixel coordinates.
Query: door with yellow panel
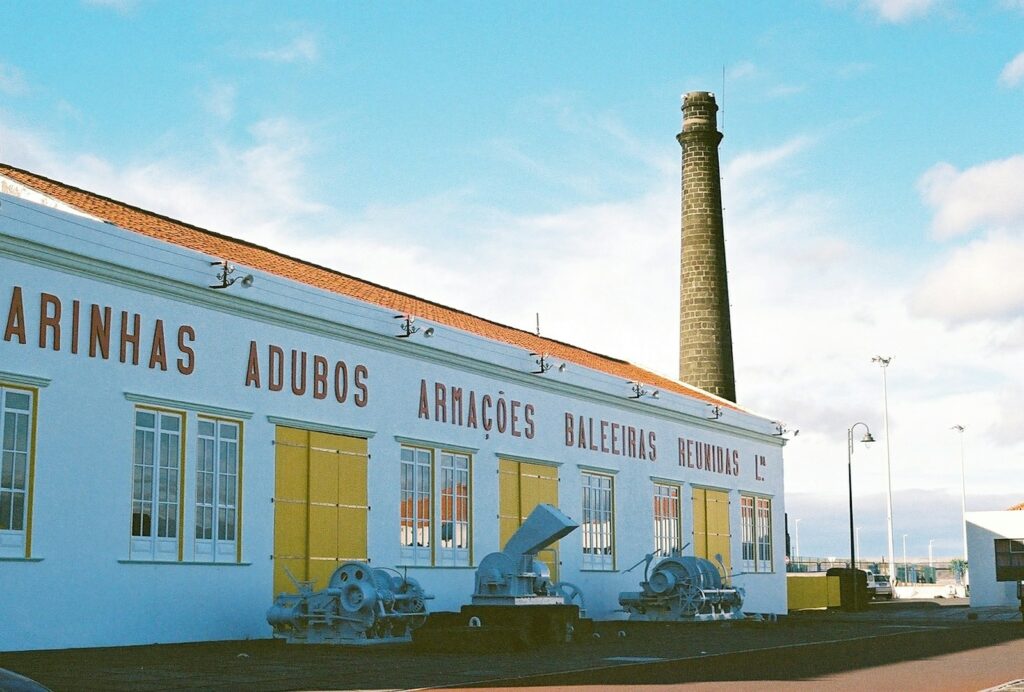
(711, 535)
(320, 505)
(521, 487)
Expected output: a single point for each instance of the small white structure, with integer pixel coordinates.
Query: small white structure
(983, 529)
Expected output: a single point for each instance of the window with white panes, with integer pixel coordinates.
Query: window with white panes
(598, 536)
(416, 505)
(156, 485)
(764, 534)
(436, 507)
(756, 520)
(667, 519)
(218, 467)
(453, 546)
(15, 470)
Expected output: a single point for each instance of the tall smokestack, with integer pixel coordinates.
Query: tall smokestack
(705, 334)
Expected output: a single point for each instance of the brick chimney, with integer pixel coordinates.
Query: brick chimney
(705, 334)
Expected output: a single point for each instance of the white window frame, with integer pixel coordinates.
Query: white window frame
(454, 520)
(435, 516)
(598, 525)
(763, 521)
(218, 475)
(756, 522)
(17, 444)
(668, 527)
(164, 459)
(416, 505)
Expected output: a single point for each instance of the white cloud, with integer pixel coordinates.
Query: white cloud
(12, 80)
(753, 162)
(1013, 73)
(303, 48)
(121, 6)
(783, 90)
(218, 99)
(983, 280)
(898, 11)
(986, 194)
(810, 304)
(741, 70)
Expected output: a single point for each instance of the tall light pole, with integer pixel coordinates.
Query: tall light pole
(796, 548)
(931, 562)
(884, 363)
(849, 476)
(963, 486)
(857, 532)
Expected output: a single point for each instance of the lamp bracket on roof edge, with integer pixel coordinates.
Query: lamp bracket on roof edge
(225, 278)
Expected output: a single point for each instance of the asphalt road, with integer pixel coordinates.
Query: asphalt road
(906, 646)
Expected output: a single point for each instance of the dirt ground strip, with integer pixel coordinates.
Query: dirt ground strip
(797, 647)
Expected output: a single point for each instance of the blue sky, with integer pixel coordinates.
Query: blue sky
(518, 158)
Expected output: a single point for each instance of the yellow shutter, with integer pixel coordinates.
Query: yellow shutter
(320, 505)
(700, 523)
(719, 538)
(521, 487)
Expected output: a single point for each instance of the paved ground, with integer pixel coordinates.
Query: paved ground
(890, 646)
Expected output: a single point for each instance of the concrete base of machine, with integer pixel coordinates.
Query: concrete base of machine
(341, 641)
(517, 600)
(489, 628)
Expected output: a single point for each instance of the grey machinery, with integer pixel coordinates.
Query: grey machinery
(514, 576)
(361, 605)
(514, 603)
(682, 588)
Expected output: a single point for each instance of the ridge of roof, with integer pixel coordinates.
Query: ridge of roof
(256, 246)
(240, 251)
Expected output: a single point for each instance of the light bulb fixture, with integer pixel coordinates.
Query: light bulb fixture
(562, 367)
(655, 394)
(224, 275)
(542, 363)
(428, 332)
(407, 327)
(247, 281)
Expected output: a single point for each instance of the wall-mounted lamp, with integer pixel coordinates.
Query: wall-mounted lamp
(407, 327)
(225, 278)
(640, 391)
(716, 411)
(541, 359)
(781, 429)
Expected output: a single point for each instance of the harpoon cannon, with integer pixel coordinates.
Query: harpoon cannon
(361, 605)
(680, 588)
(515, 605)
(514, 576)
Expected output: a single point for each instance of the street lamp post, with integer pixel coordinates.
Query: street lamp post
(849, 477)
(884, 363)
(796, 548)
(931, 562)
(963, 486)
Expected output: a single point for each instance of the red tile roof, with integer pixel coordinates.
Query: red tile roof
(1019, 507)
(263, 259)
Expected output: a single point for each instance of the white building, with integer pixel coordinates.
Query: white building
(984, 531)
(169, 448)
